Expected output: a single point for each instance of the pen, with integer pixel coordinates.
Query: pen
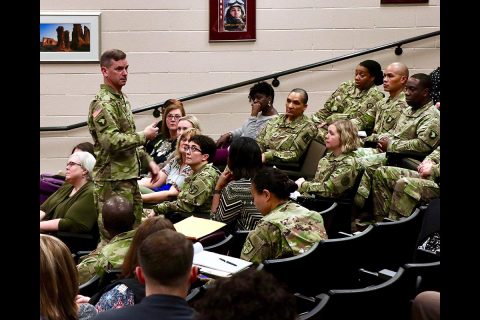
(226, 261)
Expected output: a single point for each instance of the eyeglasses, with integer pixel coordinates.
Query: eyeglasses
(173, 116)
(192, 149)
(71, 163)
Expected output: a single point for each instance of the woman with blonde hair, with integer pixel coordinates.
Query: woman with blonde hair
(336, 172)
(59, 283)
(173, 175)
(71, 208)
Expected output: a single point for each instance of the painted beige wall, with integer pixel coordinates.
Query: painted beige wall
(169, 55)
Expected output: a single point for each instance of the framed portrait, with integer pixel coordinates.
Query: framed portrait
(69, 36)
(232, 20)
(402, 1)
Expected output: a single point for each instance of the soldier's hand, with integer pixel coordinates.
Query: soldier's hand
(382, 144)
(154, 171)
(150, 131)
(299, 182)
(321, 125)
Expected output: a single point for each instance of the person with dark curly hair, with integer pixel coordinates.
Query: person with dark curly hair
(249, 294)
(286, 229)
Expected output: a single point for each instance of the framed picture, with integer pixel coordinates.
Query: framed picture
(232, 20)
(69, 36)
(402, 1)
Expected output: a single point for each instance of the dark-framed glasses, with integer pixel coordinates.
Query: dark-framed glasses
(192, 149)
(71, 164)
(173, 116)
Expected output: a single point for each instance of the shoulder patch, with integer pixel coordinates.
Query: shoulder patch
(97, 111)
(247, 247)
(193, 189)
(433, 134)
(345, 181)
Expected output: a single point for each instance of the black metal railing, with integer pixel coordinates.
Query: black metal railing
(274, 76)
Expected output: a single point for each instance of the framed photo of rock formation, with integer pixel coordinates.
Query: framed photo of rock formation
(69, 36)
(232, 20)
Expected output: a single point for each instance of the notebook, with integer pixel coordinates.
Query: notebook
(195, 228)
(216, 264)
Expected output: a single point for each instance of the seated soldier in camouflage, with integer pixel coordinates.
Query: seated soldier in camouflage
(287, 229)
(397, 191)
(196, 195)
(118, 219)
(386, 112)
(352, 98)
(417, 130)
(286, 137)
(336, 172)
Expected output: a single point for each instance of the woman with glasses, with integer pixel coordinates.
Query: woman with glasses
(196, 195)
(71, 208)
(173, 175)
(163, 145)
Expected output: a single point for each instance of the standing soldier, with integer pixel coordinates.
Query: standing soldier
(286, 137)
(118, 148)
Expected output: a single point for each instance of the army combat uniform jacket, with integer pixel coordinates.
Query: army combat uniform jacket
(287, 230)
(196, 194)
(109, 256)
(347, 102)
(382, 117)
(286, 142)
(334, 175)
(118, 148)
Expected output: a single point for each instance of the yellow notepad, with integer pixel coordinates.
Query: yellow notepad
(195, 228)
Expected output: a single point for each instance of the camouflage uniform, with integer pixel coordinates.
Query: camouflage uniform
(334, 175)
(382, 117)
(286, 142)
(399, 190)
(288, 230)
(347, 102)
(196, 194)
(416, 130)
(118, 149)
(108, 257)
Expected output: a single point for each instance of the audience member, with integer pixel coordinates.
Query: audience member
(165, 267)
(163, 145)
(128, 291)
(337, 171)
(49, 183)
(398, 191)
(173, 175)
(352, 98)
(286, 137)
(261, 98)
(118, 220)
(232, 200)
(287, 229)
(417, 130)
(383, 116)
(119, 149)
(435, 92)
(59, 284)
(235, 17)
(196, 195)
(71, 208)
(426, 306)
(186, 123)
(249, 294)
